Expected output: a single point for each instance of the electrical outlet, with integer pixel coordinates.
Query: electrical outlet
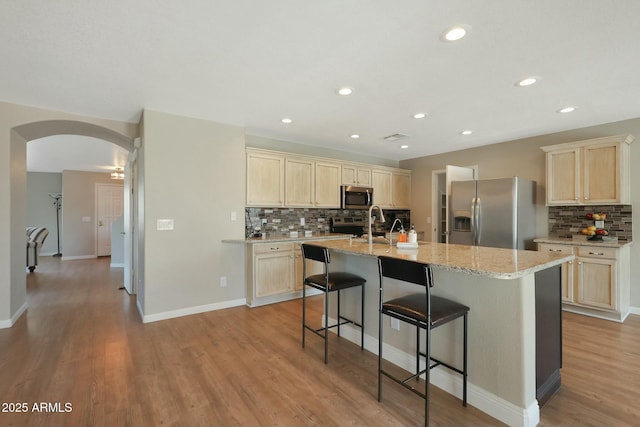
(302, 221)
(395, 324)
(223, 281)
(234, 215)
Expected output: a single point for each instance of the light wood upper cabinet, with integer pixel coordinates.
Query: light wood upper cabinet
(590, 172)
(356, 175)
(391, 188)
(277, 179)
(401, 190)
(563, 177)
(265, 179)
(327, 184)
(602, 173)
(298, 186)
(381, 180)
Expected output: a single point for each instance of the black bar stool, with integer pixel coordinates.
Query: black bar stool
(328, 282)
(423, 310)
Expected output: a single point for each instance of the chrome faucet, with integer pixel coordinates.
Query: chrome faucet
(371, 220)
(391, 231)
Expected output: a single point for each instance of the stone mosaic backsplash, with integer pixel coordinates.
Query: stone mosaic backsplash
(284, 220)
(566, 221)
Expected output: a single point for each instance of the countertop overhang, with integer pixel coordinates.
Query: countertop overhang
(582, 241)
(279, 237)
(475, 260)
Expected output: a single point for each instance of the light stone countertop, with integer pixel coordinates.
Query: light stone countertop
(474, 260)
(582, 241)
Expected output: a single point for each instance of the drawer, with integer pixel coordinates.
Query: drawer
(596, 252)
(558, 249)
(265, 248)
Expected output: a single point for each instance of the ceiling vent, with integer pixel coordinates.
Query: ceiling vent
(395, 137)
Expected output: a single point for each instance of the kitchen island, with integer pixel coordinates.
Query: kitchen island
(514, 322)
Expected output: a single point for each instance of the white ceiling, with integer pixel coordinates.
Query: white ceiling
(250, 63)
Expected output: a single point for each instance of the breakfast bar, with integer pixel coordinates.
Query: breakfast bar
(514, 321)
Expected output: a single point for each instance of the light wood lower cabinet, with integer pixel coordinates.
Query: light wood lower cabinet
(273, 269)
(274, 272)
(597, 281)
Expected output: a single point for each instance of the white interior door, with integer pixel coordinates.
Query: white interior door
(109, 201)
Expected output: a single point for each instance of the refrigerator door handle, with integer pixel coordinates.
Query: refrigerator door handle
(478, 221)
(473, 221)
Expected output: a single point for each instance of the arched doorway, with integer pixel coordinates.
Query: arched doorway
(24, 133)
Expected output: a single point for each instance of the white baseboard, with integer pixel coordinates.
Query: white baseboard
(191, 310)
(450, 382)
(10, 322)
(117, 265)
(634, 310)
(72, 258)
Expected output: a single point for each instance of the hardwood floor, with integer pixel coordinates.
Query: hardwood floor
(82, 343)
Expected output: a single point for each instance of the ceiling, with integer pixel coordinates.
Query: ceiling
(251, 63)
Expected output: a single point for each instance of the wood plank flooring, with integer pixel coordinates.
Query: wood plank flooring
(82, 343)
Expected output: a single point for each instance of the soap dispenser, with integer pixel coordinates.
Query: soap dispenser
(402, 237)
(413, 235)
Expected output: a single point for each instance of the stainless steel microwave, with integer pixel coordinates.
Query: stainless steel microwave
(352, 197)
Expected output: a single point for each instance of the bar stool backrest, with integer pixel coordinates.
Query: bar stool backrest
(407, 271)
(316, 253)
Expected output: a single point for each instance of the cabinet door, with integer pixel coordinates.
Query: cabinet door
(364, 176)
(597, 283)
(401, 190)
(381, 181)
(567, 281)
(273, 273)
(601, 174)
(327, 185)
(356, 175)
(563, 177)
(298, 182)
(265, 179)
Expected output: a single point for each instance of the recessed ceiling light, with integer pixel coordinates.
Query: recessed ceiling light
(419, 116)
(466, 132)
(355, 136)
(287, 120)
(344, 91)
(527, 81)
(404, 146)
(567, 110)
(454, 33)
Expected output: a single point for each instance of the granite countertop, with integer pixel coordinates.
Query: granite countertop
(279, 237)
(581, 240)
(475, 260)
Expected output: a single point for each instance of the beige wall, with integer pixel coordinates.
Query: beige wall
(524, 158)
(78, 201)
(12, 193)
(194, 173)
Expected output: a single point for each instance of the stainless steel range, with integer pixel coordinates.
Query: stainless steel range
(347, 225)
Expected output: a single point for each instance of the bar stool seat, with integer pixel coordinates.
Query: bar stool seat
(330, 281)
(423, 310)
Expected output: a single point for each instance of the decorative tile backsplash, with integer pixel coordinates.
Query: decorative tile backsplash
(565, 221)
(284, 220)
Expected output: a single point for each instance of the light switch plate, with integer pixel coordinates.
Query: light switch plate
(164, 224)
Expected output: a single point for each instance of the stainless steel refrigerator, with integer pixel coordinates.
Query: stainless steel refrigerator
(494, 212)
